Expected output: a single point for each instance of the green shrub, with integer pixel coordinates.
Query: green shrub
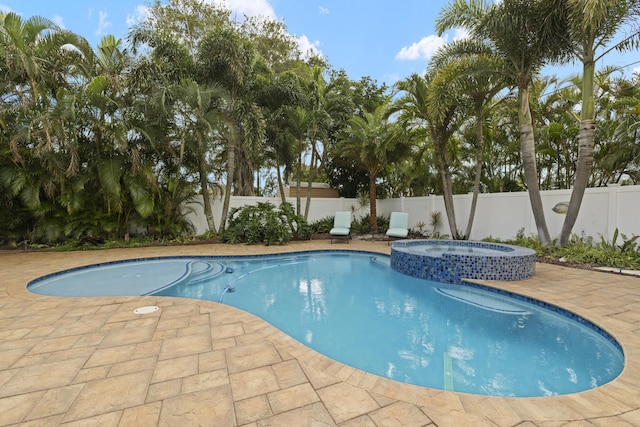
(299, 227)
(263, 223)
(584, 250)
(323, 225)
(362, 225)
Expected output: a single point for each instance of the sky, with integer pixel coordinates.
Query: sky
(386, 40)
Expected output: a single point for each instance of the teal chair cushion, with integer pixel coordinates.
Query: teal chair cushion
(398, 224)
(341, 224)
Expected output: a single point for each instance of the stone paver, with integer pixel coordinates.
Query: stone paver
(93, 361)
(345, 401)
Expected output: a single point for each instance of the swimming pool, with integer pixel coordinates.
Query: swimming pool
(355, 309)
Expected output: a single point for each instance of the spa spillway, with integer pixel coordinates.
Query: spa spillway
(451, 261)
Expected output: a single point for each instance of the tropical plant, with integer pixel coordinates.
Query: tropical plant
(524, 33)
(280, 96)
(373, 142)
(263, 223)
(230, 61)
(592, 25)
(193, 115)
(469, 73)
(433, 124)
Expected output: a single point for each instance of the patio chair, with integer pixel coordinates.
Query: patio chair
(341, 226)
(398, 226)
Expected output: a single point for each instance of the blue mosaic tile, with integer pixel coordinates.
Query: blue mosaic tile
(451, 261)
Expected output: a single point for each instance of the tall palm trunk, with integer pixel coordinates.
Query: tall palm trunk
(206, 197)
(298, 179)
(586, 143)
(478, 175)
(373, 210)
(243, 176)
(447, 190)
(528, 152)
(283, 196)
(310, 183)
(231, 161)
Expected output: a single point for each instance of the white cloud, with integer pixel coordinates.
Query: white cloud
(59, 21)
(323, 10)
(392, 77)
(248, 7)
(460, 34)
(5, 9)
(424, 49)
(307, 47)
(140, 14)
(103, 24)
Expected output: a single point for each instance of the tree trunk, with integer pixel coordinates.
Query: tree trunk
(244, 174)
(586, 143)
(231, 159)
(309, 184)
(283, 196)
(528, 152)
(476, 182)
(204, 184)
(583, 172)
(447, 190)
(298, 178)
(373, 210)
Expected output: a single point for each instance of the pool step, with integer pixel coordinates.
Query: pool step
(483, 301)
(201, 271)
(383, 261)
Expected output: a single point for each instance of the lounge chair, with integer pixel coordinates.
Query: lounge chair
(398, 226)
(341, 226)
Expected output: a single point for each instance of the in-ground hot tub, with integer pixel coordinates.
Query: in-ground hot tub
(451, 261)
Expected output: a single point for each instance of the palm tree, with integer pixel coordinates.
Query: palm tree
(436, 125)
(557, 137)
(374, 142)
(40, 68)
(196, 52)
(617, 153)
(279, 95)
(297, 128)
(318, 97)
(592, 24)
(193, 116)
(469, 73)
(227, 59)
(523, 32)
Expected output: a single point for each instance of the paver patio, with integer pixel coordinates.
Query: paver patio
(93, 361)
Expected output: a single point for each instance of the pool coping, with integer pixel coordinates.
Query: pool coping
(588, 294)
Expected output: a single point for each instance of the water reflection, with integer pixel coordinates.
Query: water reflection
(313, 298)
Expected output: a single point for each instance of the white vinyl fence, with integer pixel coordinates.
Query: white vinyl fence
(499, 215)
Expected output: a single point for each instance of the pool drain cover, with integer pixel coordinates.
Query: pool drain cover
(146, 309)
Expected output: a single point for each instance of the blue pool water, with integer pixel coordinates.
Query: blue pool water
(355, 309)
